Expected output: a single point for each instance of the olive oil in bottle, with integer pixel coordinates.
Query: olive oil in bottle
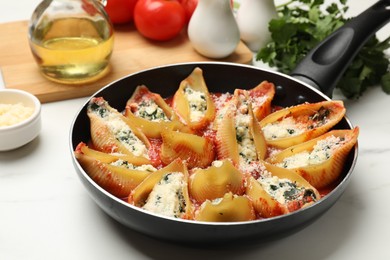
(71, 40)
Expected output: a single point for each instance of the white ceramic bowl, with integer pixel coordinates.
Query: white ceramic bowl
(19, 134)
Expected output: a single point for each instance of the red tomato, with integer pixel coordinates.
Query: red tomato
(159, 19)
(120, 11)
(189, 7)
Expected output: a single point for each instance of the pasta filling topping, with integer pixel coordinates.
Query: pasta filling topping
(321, 152)
(128, 165)
(167, 196)
(284, 190)
(246, 146)
(149, 110)
(290, 126)
(197, 102)
(286, 127)
(121, 130)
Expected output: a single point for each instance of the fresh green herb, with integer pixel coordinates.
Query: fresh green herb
(166, 177)
(320, 116)
(292, 192)
(290, 131)
(98, 109)
(309, 196)
(302, 24)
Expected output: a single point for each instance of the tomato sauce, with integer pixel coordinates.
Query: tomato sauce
(154, 152)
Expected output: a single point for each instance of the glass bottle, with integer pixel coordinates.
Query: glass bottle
(71, 40)
(212, 30)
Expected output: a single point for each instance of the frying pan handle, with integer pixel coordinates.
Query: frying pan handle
(323, 67)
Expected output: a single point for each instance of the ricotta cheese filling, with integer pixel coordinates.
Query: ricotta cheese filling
(321, 152)
(121, 131)
(282, 190)
(197, 102)
(125, 135)
(127, 165)
(245, 142)
(286, 127)
(148, 109)
(167, 196)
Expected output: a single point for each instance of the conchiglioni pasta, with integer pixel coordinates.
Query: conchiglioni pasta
(112, 132)
(196, 150)
(192, 101)
(117, 173)
(219, 157)
(294, 125)
(165, 192)
(213, 182)
(239, 136)
(278, 191)
(321, 160)
(152, 114)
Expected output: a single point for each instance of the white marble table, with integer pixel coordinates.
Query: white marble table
(45, 212)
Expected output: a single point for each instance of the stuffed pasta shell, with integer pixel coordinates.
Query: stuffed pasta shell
(193, 102)
(165, 192)
(239, 136)
(261, 98)
(151, 113)
(229, 208)
(118, 174)
(294, 125)
(112, 132)
(320, 161)
(279, 191)
(215, 181)
(197, 151)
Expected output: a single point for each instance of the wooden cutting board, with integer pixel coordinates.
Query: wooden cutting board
(132, 53)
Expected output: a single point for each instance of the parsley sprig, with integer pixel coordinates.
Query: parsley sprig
(302, 24)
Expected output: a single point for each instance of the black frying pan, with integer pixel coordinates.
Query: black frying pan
(316, 75)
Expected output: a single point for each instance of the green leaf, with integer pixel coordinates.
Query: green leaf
(281, 31)
(350, 87)
(385, 83)
(365, 73)
(302, 24)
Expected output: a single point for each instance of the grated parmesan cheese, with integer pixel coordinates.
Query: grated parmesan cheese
(11, 114)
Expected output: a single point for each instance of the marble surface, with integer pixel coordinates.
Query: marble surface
(45, 212)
